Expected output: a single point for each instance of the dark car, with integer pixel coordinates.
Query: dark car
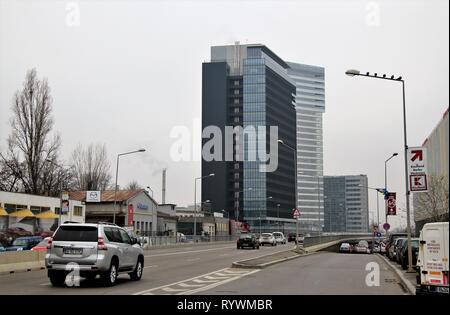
(391, 241)
(398, 247)
(24, 243)
(403, 253)
(248, 240)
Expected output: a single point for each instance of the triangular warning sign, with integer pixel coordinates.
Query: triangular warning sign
(296, 213)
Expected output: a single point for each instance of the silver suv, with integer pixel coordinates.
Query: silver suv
(95, 249)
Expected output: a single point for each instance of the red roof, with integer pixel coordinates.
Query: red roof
(108, 195)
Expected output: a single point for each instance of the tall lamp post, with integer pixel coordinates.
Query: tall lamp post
(296, 184)
(278, 215)
(195, 203)
(260, 224)
(353, 73)
(117, 174)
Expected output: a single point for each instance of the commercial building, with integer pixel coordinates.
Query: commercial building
(248, 86)
(437, 165)
(35, 213)
(346, 204)
(167, 219)
(309, 106)
(134, 208)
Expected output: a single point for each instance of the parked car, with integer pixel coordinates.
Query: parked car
(390, 242)
(43, 245)
(24, 243)
(391, 251)
(345, 248)
(362, 247)
(279, 237)
(2, 249)
(398, 247)
(247, 240)
(432, 262)
(291, 237)
(99, 249)
(267, 238)
(403, 253)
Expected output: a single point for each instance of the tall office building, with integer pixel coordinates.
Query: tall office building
(346, 204)
(248, 86)
(310, 106)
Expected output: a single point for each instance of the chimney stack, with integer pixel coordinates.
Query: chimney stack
(163, 199)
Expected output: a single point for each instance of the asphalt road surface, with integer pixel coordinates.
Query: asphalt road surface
(206, 270)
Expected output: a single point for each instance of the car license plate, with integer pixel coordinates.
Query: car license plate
(442, 289)
(73, 251)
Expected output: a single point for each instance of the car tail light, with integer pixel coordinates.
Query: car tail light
(101, 244)
(49, 244)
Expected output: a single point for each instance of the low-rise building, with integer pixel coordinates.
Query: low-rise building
(36, 213)
(167, 219)
(134, 208)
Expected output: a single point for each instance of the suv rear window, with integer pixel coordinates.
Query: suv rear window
(76, 234)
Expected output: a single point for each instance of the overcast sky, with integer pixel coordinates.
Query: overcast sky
(125, 72)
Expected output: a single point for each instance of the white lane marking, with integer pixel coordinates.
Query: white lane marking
(203, 281)
(47, 283)
(185, 285)
(175, 283)
(152, 266)
(216, 278)
(218, 283)
(188, 252)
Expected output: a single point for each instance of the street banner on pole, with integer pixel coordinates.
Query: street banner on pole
(65, 202)
(391, 203)
(417, 169)
(130, 214)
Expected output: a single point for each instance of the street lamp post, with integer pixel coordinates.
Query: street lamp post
(260, 224)
(194, 238)
(353, 73)
(296, 184)
(117, 174)
(148, 187)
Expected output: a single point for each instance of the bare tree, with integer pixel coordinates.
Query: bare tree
(90, 167)
(31, 143)
(133, 185)
(433, 204)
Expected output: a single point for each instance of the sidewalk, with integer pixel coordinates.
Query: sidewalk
(408, 279)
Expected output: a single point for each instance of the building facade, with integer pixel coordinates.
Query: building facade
(134, 208)
(309, 106)
(36, 213)
(346, 204)
(437, 164)
(247, 86)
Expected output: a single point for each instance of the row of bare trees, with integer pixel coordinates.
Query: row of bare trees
(32, 164)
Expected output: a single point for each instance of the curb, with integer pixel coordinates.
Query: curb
(239, 264)
(411, 288)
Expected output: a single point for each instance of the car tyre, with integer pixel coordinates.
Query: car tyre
(57, 279)
(109, 277)
(136, 275)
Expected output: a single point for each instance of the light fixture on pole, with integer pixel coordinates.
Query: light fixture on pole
(117, 174)
(408, 212)
(194, 237)
(148, 187)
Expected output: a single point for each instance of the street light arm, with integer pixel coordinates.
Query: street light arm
(131, 152)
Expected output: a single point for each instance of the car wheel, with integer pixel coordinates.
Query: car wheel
(137, 273)
(109, 277)
(57, 279)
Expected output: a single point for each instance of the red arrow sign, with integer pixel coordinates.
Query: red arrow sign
(417, 154)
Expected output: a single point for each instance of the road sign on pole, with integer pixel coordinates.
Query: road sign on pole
(417, 169)
(296, 214)
(386, 226)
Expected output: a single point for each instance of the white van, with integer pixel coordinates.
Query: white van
(432, 261)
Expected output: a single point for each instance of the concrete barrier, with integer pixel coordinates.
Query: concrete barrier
(28, 260)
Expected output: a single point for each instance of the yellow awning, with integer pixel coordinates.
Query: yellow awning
(22, 213)
(3, 212)
(47, 215)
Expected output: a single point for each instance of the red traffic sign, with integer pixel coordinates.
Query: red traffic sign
(391, 204)
(296, 213)
(386, 226)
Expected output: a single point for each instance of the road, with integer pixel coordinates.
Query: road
(206, 270)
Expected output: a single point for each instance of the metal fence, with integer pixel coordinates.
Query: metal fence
(151, 241)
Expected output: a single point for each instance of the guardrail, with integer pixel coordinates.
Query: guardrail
(316, 240)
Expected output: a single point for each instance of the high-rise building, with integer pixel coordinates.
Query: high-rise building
(248, 86)
(346, 204)
(310, 106)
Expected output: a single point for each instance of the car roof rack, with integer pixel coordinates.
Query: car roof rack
(106, 223)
